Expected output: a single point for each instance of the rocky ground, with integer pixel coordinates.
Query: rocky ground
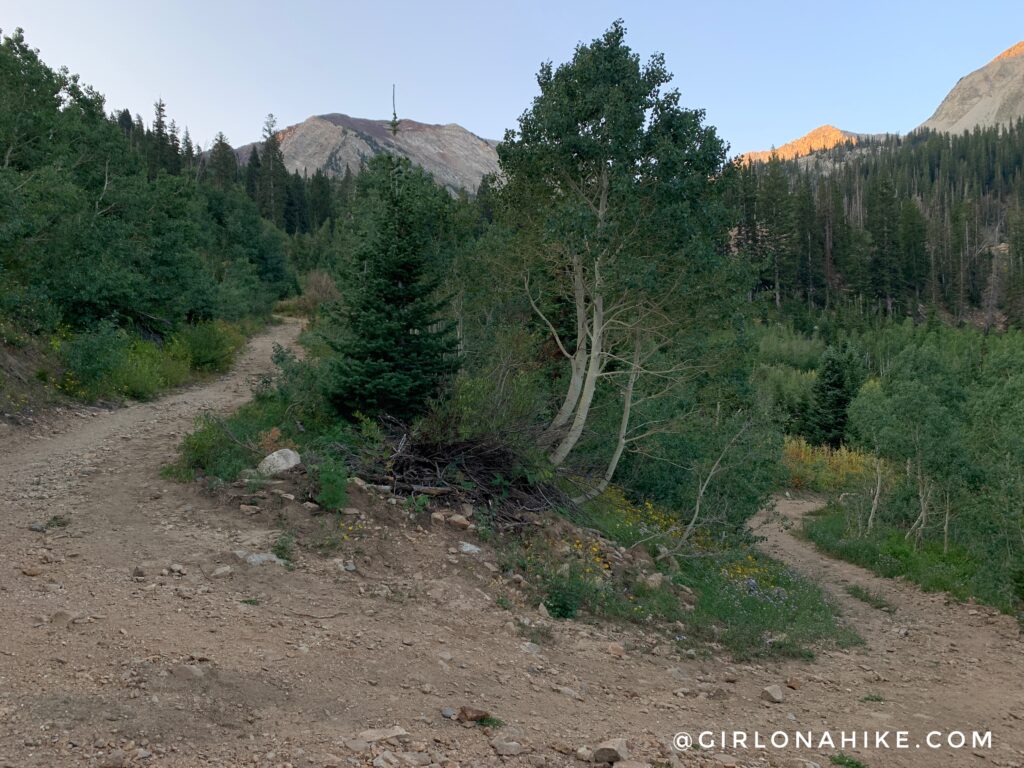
(138, 630)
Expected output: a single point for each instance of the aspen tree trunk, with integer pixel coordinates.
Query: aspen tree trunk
(620, 444)
(877, 494)
(594, 361)
(578, 361)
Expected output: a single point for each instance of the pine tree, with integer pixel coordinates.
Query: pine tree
(321, 204)
(273, 178)
(883, 226)
(252, 175)
(157, 154)
(392, 348)
(188, 154)
(223, 163)
(775, 238)
(124, 122)
(296, 206)
(840, 374)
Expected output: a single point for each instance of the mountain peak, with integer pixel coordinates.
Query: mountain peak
(822, 137)
(992, 95)
(1011, 52)
(335, 142)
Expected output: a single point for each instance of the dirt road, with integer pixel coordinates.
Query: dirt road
(134, 634)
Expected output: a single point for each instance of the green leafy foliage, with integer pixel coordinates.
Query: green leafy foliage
(845, 761)
(210, 346)
(107, 227)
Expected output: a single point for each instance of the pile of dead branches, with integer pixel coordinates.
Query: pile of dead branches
(488, 474)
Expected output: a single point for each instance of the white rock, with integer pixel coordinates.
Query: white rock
(506, 748)
(278, 462)
(380, 734)
(468, 549)
(258, 558)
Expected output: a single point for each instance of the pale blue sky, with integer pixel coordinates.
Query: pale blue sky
(764, 72)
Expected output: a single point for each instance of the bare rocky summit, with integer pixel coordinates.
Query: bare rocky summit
(992, 95)
(457, 158)
(824, 137)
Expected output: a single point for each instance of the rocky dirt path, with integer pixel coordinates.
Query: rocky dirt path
(133, 635)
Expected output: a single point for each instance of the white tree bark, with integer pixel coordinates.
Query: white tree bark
(595, 361)
(876, 495)
(620, 443)
(577, 360)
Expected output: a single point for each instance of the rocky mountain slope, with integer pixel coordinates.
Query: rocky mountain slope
(455, 157)
(992, 95)
(824, 137)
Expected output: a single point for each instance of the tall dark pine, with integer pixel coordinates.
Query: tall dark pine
(883, 226)
(273, 178)
(296, 206)
(252, 175)
(840, 374)
(188, 154)
(321, 204)
(223, 164)
(392, 348)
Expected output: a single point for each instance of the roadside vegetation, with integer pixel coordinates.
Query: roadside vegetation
(621, 331)
(523, 351)
(925, 481)
(126, 265)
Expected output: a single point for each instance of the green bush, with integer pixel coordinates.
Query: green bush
(223, 447)
(782, 345)
(108, 363)
(91, 358)
(332, 477)
(211, 450)
(211, 345)
(148, 369)
(785, 392)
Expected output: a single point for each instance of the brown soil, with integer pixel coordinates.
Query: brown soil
(273, 667)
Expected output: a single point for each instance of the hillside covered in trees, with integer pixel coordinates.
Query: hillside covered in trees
(893, 228)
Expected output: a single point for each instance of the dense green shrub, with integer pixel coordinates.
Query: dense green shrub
(332, 479)
(107, 218)
(92, 358)
(211, 346)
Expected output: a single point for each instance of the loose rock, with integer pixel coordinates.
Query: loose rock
(381, 734)
(458, 521)
(773, 694)
(611, 751)
(278, 462)
(472, 714)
